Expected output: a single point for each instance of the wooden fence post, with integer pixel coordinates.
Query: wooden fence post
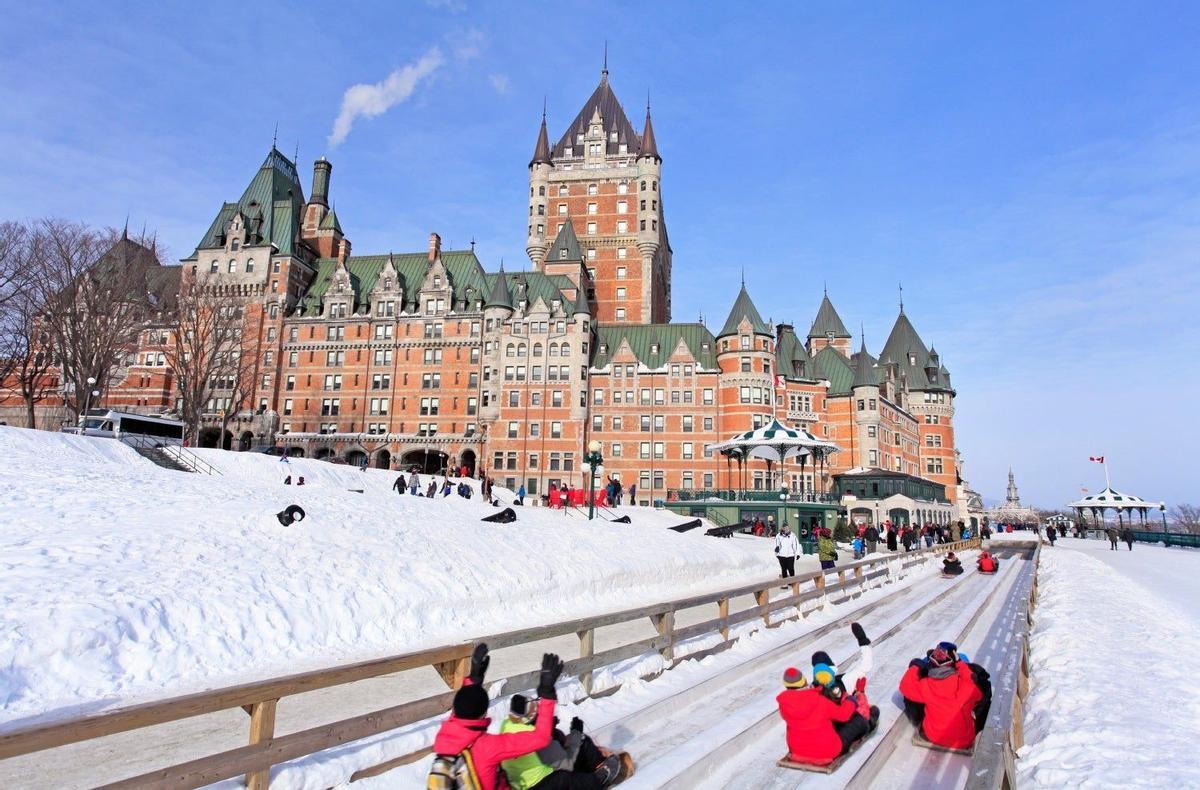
(762, 598)
(587, 648)
(454, 672)
(665, 624)
(262, 728)
(723, 613)
(795, 587)
(820, 584)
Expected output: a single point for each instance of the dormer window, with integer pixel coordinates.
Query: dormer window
(912, 358)
(603, 348)
(562, 254)
(555, 304)
(654, 348)
(437, 281)
(234, 244)
(595, 128)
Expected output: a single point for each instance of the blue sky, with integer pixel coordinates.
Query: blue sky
(1031, 174)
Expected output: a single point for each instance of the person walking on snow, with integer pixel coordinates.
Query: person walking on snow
(1052, 534)
(787, 549)
(399, 485)
(466, 731)
(871, 536)
(1113, 536)
(823, 721)
(414, 484)
(521, 495)
(826, 549)
(1127, 536)
(891, 535)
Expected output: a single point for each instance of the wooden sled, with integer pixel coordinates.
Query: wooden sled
(988, 573)
(920, 740)
(784, 762)
(951, 575)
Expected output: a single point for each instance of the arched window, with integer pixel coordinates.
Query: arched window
(522, 350)
(537, 349)
(232, 265)
(554, 349)
(249, 266)
(510, 350)
(215, 266)
(564, 349)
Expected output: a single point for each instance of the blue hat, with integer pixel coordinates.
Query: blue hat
(824, 675)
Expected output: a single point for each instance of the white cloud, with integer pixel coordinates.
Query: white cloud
(453, 6)
(367, 101)
(468, 45)
(500, 83)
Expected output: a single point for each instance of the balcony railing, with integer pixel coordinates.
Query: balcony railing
(736, 495)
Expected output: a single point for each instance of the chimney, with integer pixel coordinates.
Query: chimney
(343, 251)
(320, 188)
(435, 247)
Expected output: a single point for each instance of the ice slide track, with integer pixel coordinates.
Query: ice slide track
(737, 744)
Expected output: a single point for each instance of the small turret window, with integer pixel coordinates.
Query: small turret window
(542, 191)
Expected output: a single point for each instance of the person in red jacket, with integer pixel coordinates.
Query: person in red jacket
(946, 697)
(467, 727)
(823, 722)
(986, 563)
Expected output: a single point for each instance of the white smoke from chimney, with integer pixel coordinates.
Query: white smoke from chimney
(367, 101)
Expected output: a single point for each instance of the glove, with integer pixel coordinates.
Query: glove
(861, 685)
(860, 634)
(479, 663)
(552, 667)
(576, 724)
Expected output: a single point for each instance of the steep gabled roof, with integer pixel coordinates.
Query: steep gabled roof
(649, 147)
(865, 372)
(274, 189)
(791, 359)
(613, 115)
(463, 270)
(330, 222)
(566, 245)
(833, 366)
(903, 342)
(827, 320)
(644, 338)
(743, 307)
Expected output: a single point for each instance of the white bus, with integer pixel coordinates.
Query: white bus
(137, 430)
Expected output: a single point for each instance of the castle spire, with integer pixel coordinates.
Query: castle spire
(604, 70)
(649, 147)
(541, 150)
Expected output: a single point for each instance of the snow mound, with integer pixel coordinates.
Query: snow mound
(121, 580)
(1114, 702)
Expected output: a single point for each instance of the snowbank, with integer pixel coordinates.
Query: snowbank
(120, 580)
(1114, 700)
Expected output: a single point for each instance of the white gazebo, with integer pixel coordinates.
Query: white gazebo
(775, 443)
(1111, 499)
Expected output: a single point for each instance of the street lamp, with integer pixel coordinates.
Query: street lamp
(593, 459)
(87, 402)
(1162, 510)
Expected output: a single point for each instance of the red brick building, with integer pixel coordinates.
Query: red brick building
(427, 358)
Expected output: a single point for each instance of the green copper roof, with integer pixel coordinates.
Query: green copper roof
(827, 321)
(743, 307)
(791, 359)
(331, 222)
(274, 194)
(833, 366)
(865, 372)
(653, 344)
(498, 292)
(566, 245)
(905, 347)
(463, 270)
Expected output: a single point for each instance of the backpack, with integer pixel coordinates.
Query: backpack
(453, 772)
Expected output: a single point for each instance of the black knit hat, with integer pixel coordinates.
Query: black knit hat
(471, 702)
(519, 705)
(821, 657)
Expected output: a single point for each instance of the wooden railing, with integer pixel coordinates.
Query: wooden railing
(260, 698)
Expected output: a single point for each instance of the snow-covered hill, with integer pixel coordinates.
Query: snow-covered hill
(120, 580)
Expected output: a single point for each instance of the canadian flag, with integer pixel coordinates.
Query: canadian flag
(779, 383)
(1097, 458)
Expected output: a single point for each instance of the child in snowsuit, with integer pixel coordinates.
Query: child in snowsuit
(568, 761)
(952, 566)
(826, 549)
(987, 563)
(823, 722)
(467, 727)
(946, 697)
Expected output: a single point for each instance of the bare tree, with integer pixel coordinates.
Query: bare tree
(26, 352)
(204, 350)
(96, 303)
(240, 368)
(1186, 518)
(14, 253)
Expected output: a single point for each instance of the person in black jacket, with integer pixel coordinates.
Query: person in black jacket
(400, 485)
(871, 536)
(952, 566)
(1127, 536)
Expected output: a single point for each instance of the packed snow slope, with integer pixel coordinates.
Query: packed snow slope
(1114, 700)
(121, 581)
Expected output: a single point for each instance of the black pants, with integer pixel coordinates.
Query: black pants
(1113, 541)
(787, 566)
(852, 731)
(1130, 544)
(589, 756)
(570, 780)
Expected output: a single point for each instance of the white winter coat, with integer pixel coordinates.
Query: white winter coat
(787, 545)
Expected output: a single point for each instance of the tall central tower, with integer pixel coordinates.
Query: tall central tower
(604, 179)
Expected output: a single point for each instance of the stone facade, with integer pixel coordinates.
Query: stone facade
(426, 358)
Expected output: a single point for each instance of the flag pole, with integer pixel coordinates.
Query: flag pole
(1107, 482)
